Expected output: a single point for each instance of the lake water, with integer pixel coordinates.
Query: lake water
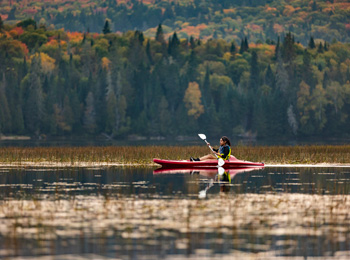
(147, 213)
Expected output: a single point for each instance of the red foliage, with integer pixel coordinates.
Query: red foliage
(24, 48)
(4, 16)
(19, 30)
(347, 27)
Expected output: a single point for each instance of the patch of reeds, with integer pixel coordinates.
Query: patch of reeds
(144, 154)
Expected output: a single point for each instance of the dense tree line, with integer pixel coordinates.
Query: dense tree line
(225, 19)
(60, 83)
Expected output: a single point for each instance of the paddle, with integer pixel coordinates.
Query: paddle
(221, 162)
(203, 193)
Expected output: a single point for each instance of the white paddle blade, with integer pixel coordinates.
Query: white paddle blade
(221, 171)
(221, 162)
(202, 194)
(202, 136)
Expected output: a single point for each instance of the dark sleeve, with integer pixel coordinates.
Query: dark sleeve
(215, 150)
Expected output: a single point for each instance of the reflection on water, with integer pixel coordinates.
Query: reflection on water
(131, 213)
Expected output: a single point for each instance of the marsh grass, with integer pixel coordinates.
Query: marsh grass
(143, 155)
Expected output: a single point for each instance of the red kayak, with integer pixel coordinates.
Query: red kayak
(208, 172)
(232, 163)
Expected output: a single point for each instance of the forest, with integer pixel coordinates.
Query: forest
(204, 19)
(56, 82)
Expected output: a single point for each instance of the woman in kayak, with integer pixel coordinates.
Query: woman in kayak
(223, 152)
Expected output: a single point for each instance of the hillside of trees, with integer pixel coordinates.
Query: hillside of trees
(261, 20)
(54, 82)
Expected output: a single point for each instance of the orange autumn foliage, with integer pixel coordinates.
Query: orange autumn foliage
(194, 30)
(105, 63)
(228, 11)
(75, 37)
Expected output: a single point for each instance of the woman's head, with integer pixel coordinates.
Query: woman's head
(226, 140)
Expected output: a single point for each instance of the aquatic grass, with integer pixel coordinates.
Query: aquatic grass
(143, 155)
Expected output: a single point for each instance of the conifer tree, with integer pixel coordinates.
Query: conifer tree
(160, 34)
(192, 42)
(288, 48)
(106, 27)
(233, 48)
(254, 71)
(277, 49)
(148, 52)
(312, 44)
(325, 46)
(241, 50)
(33, 97)
(269, 77)
(282, 79)
(320, 48)
(5, 114)
(90, 114)
(246, 45)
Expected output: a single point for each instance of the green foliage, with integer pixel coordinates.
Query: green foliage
(130, 84)
(26, 23)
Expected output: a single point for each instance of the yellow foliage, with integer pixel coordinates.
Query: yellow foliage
(105, 63)
(227, 56)
(193, 101)
(47, 63)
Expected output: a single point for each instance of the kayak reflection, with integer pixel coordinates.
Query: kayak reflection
(214, 175)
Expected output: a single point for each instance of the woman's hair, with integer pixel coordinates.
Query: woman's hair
(226, 140)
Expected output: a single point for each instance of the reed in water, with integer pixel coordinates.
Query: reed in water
(143, 155)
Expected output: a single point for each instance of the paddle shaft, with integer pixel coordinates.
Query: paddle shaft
(211, 149)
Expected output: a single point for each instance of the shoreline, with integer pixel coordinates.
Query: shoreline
(116, 164)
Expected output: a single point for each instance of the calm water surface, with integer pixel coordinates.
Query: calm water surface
(146, 213)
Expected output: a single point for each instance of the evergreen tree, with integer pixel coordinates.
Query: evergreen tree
(320, 48)
(148, 52)
(269, 77)
(241, 50)
(33, 97)
(106, 27)
(282, 80)
(192, 42)
(244, 45)
(306, 70)
(325, 46)
(5, 114)
(90, 114)
(288, 48)
(160, 34)
(312, 44)
(277, 49)
(173, 45)
(254, 71)
(233, 48)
